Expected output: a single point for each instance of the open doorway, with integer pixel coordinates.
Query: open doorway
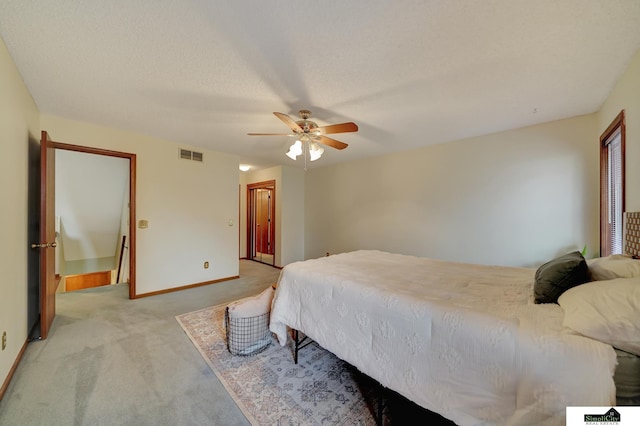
(98, 259)
(261, 210)
(41, 280)
(91, 220)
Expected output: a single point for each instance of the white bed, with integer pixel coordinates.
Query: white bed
(465, 341)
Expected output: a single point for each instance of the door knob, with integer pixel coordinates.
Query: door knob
(45, 245)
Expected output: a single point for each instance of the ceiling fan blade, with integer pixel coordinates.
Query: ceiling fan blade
(288, 121)
(268, 134)
(332, 142)
(339, 128)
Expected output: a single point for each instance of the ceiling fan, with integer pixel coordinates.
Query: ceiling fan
(305, 130)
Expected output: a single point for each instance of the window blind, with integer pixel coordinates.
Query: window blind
(614, 190)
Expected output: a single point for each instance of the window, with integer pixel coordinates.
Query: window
(612, 187)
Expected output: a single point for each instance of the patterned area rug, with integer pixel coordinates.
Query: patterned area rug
(271, 390)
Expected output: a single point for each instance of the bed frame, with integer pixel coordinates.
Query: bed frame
(304, 341)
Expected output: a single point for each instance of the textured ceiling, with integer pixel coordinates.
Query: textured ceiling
(409, 73)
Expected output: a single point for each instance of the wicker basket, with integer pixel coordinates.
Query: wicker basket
(247, 336)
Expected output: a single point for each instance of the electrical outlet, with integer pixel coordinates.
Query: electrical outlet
(4, 340)
(206, 265)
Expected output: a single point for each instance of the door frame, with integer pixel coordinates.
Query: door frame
(271, 185)
(132, 201)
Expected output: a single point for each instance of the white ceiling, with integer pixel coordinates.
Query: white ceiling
(408, 72)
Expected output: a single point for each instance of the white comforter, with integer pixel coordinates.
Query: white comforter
(462, 340)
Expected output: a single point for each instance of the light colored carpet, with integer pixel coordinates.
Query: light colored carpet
(271, 390)
(114, 361)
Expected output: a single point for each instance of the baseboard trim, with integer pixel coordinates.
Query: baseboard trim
(5, 385)
(185, 287)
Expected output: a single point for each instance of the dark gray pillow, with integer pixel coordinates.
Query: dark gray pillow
(559, 275)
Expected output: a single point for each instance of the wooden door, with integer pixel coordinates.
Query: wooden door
(47, 242)
(261, 213)
(264, 221)
(270, 222)
(33, 236)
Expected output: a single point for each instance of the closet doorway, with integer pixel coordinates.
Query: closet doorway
(261, 213)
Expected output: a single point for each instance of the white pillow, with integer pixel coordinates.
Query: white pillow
(252, 306)
(608, 311)
(614, 266)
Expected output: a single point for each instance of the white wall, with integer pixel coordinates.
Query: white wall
(18, 123)
(289, 221)
(188, 205)
(626, 95)
(90, 191)
(514, 198)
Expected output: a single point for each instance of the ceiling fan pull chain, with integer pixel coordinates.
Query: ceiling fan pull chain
(306, 148)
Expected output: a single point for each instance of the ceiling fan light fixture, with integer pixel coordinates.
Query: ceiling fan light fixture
(315, 151)
(295, 150)
(310, 136)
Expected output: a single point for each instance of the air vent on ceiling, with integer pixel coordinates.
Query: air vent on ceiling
(185, 154)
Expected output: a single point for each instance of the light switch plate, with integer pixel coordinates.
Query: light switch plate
(142, 224)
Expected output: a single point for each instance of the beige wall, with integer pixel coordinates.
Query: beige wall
(90, 192)
(514, 198)
(188, 205)
(626, 95)
(289, 221)
(18, 123)
(293, 215)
